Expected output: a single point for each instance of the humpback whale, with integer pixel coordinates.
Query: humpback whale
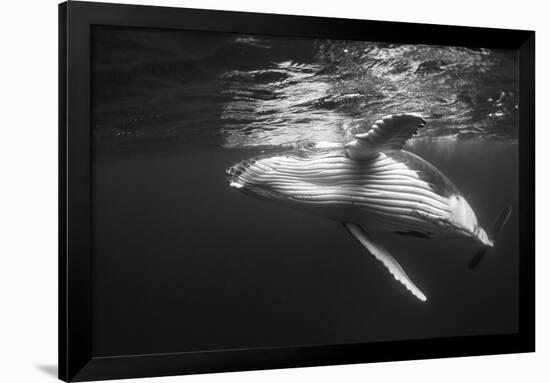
(369, 184)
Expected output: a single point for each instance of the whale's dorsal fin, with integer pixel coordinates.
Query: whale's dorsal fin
(385, 257)
(389, 133)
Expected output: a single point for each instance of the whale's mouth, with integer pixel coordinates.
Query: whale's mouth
(233, 174)
(239, 176)
(243, 177)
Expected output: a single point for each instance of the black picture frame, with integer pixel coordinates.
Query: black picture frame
(76, 361)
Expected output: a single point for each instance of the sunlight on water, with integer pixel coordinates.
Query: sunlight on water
(351, 84)
(160, 89)
(285, 114)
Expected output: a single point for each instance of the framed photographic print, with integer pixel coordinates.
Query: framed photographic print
(248, 191)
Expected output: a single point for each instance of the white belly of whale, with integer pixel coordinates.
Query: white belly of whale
(380, 194)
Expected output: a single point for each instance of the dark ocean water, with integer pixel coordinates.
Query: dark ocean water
(188, 264)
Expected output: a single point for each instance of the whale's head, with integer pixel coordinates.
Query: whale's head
(240, 175)
(247, 178)
(233, 173)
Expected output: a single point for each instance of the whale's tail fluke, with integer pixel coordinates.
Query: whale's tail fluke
(493, 233)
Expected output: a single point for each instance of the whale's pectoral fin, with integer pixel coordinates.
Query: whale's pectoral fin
(385, 257)
(389, 133)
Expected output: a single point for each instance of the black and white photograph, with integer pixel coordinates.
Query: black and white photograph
(251, 191)
(312, 191)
